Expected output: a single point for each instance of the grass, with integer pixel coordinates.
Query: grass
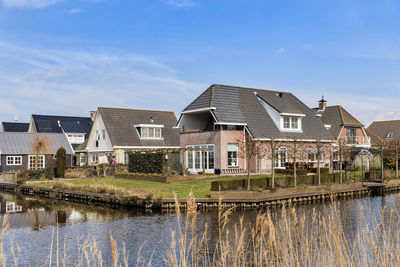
(199, 187)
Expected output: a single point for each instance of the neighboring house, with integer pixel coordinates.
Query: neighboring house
(77, 129)
(380, 131)
(16, 150)
(342, 125)
(18, 127)
(220, 117)
(116, 131)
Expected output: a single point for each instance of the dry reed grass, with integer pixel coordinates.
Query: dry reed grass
(282, 238)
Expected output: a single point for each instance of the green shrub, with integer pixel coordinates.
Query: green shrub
(227, 185)
(36, 174)
(291, 171)
(48, 172)
(322, 170)
(147, 162)
(61, 161)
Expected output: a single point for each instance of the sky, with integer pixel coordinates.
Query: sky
(67, 57)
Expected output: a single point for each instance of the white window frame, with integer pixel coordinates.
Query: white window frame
(97, 157)
(202, 156)
(315, 152)
(13, 163)
(278, 163)
(39, 166)
(237, 156)
(150, 132)
(291, 123)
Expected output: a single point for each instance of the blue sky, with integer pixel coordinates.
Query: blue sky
(70, 56)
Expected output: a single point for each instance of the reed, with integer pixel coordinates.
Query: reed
(275, 238)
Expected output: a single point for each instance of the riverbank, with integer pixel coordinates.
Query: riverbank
(240, 199)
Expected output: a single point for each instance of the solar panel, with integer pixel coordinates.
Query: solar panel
(44, 125)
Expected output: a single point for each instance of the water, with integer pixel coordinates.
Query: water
(33, 222)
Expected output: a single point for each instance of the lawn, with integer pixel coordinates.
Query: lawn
(200, 187)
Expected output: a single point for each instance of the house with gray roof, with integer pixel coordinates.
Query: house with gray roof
(342, 125)
(76, 129)
(223, 115)
(16, 127)
(380, 131)
(16, 150)
(116, 131)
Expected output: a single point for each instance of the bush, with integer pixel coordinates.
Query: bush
(322, 170)
(147, 162)
(61, 161)
(291, 171)
(48, 173)
(36, 174)
(227, 185)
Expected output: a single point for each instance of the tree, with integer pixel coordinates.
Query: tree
(344, 154)
(271, 153)
(382, 145)
(249, 149)
(40, 144)
(296, 153)
(61, 161)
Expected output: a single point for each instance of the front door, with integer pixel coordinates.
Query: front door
(200, 161)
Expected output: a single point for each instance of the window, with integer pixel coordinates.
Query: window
(14, 160)
(233, 155)
(31, 162)
(150, 132)
(280, 158)
(232, 127)
(313, 155)
(351, 135)
(76, 138)
(95, 157)
(390, 135)
(126, 158)
(291, 123)
(83, 160)
(201, 160)
(104, 134)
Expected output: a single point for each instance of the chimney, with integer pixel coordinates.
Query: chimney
(322, 104)
(15, 117)
(93, 115)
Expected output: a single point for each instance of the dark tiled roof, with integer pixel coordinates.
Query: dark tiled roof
(379, 130)
(49, 124)
(119, 123)
(337, 117)
(242, 105)
(15, 127)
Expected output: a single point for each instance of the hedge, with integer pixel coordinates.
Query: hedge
(147, 162)
(291, 171)
(322, 170)
(266, 182)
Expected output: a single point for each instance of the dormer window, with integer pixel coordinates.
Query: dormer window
(291, 123)
(150, 131)
(390, 135)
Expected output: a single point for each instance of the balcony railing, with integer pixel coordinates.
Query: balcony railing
(357, 140)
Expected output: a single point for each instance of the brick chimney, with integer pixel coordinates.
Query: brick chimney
(322, 104)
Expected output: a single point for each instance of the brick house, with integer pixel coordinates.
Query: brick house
(220, 118)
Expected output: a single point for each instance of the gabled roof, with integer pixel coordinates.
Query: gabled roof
(22, 143)
(235, 104)
(337, 117)
(51, 124)
(379, 130)
(120, 125)
(15, 127)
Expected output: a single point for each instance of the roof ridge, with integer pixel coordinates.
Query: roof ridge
(88, 117)
(385, 121)
(138, 109)
(251, 88)
(373, 134)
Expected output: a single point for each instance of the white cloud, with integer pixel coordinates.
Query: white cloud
(29, 3)
(73, 82)
(74, 11)
(181, 3)
(280, 50)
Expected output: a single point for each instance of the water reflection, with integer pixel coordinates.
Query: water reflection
(32, 222)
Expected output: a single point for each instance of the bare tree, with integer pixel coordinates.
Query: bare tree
(271, 154)
(382, 145)
(249, 149)
(40, 144)
(296, 152)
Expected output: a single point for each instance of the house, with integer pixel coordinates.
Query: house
(76, 129)
(346, 130)
(220, 118)
(342, 125)
(380, 131)
(116, 131)
(16, 150)
(18, 127)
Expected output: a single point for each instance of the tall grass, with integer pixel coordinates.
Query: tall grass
(284, 238)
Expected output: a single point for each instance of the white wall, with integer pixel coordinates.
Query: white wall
(104, 144)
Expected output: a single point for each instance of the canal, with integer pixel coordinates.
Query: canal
(34, 221)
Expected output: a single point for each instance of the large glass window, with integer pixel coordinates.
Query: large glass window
(150, 132)
(95, 157)
(351, 134)
(233, 155)
(313, 154)
(31, 162)
(200, 161)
